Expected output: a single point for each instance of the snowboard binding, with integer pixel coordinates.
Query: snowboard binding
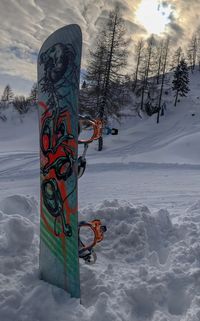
(86, 249)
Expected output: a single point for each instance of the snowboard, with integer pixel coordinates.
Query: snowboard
(58, 87)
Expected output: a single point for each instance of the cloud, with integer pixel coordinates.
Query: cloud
(26, 24)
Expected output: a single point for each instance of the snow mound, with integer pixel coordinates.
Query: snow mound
(148, 268)
(17, 233)
(159, 283)
(133, 231)
(19, 204)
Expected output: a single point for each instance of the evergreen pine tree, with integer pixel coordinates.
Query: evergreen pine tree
(181, 80)
(84, 85)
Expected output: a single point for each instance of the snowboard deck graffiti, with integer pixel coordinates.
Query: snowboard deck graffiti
(58, 87)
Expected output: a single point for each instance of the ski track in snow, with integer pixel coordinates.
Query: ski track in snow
(18, 164)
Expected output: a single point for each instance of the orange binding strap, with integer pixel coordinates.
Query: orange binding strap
(98, 230)
(97, 131)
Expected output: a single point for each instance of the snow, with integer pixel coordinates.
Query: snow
(144, 186)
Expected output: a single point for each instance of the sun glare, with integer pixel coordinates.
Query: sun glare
(153, 16)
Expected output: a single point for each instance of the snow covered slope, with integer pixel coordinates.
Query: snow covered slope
(145, 186)
(174, 140)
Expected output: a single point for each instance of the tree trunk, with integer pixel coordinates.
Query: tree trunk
(100, 143)
(159, 64)
(163, 78)
(176, 98)
(107, 80)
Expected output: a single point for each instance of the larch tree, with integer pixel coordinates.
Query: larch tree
(163, 75)
(192, 51)
(138, 57)
(176, 57)
(107, 60)
(159, 51)
(90, 96)
(146, 69)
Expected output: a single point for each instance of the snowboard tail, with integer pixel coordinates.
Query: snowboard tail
(58, 87)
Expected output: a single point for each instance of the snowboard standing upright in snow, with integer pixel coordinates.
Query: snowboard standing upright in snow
(58, 86)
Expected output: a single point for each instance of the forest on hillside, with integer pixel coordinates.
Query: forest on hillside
(155, 69)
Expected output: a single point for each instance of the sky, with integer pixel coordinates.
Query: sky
(25, 24)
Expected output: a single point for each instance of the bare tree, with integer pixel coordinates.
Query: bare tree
(198, 47)
(138, 55)
(192, 51)
(146, 69)
(159, 54)
(91, 95)
(176, 58)
(165, 60)
(149, 55)
(104, 73)
(21, 104)
(33, 96)
(116, 60)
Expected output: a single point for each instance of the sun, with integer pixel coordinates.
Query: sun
(153, 16)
